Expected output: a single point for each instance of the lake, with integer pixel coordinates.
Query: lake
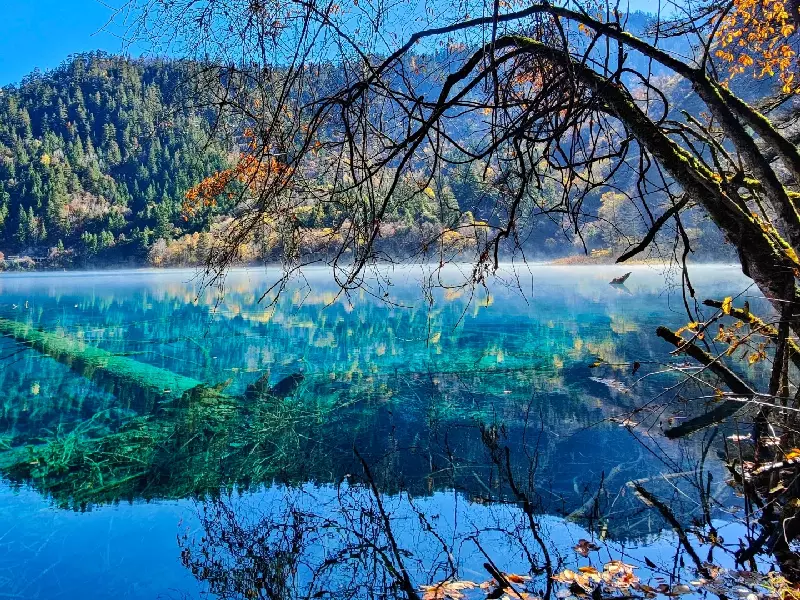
(348, 445)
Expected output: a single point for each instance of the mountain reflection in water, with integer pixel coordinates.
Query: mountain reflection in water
(420, 442)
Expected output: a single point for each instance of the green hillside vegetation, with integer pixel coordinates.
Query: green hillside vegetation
(97, 155)
(95, 158)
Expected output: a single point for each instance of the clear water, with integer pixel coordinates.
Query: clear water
(445, 418)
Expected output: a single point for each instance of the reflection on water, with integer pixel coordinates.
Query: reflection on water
(353, 446)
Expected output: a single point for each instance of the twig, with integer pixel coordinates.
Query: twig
(768, 330)
(732, 380)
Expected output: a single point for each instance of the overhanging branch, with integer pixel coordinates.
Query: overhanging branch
(651, 234)
(727, 408)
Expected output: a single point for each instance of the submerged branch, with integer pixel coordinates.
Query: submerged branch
(732, 380)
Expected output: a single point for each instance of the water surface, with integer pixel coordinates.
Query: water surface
(454, 419)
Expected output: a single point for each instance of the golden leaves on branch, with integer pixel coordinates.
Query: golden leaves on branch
(727, 304)
(693, 327)
(754, 36)
(792, 454)
(759, 355)
(755, 351)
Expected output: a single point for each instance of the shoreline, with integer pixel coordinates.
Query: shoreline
(503, 265)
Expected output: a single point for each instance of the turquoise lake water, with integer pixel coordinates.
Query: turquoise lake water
(402, 435)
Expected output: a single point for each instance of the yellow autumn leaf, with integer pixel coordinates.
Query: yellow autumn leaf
(792, 454)
(447, 590)
(428, 191)
(727, 305)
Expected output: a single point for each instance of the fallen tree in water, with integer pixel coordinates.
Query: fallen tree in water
(100, 365)
(186, 446)
(188, 438)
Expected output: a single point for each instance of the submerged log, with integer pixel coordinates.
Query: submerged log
(95, 363)
(283, 389)
(287, 386)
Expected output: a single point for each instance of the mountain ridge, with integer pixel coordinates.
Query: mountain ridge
(96, 157)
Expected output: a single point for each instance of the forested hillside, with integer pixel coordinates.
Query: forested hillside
(96, 158)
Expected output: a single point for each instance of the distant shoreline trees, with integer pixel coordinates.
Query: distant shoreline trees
(99, 154)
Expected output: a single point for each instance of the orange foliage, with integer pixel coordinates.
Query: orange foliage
(253, 170)
(754, 35)
(532, 78)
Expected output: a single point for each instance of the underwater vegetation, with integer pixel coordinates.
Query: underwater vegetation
(524, 418)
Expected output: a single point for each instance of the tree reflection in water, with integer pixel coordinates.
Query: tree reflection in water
(349, 540)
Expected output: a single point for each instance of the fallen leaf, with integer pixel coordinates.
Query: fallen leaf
(679, 590)
(585, 546)
(792, 454)
(446, 590)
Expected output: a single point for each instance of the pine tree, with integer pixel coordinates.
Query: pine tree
(21, 236)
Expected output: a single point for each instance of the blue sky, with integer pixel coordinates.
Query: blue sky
(42, 33)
